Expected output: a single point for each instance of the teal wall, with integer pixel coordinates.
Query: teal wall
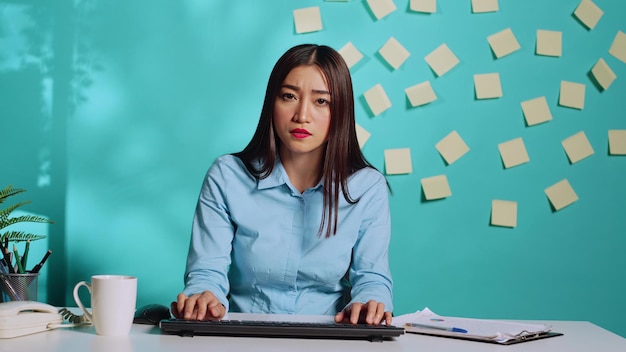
(112, 111)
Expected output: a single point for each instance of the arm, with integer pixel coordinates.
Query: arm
(206, 274)
(369, 272)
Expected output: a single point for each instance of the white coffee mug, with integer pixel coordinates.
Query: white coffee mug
(113, 300)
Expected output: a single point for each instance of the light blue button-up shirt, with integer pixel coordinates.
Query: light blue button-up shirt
(255, 243)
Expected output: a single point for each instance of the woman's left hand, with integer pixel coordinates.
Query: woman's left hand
(372, 313)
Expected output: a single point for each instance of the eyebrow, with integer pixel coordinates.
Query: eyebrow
(297, 89)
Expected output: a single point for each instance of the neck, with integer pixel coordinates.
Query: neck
(304, 170)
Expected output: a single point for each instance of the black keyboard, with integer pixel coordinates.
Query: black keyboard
(285, 329)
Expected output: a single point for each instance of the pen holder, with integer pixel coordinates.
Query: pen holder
(18, 287)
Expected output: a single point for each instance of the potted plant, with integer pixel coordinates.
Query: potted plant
(11, 284)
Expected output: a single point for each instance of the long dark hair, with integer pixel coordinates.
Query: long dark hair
(342, 156)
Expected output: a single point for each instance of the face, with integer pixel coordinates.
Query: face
(302, 112)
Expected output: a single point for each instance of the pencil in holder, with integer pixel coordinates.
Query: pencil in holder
(18, 287)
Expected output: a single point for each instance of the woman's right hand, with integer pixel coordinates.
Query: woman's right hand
(203, 306)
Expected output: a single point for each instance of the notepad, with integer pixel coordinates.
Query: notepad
(426, 322)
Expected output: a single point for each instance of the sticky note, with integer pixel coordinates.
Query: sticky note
(394, 53)
(435, 187)
(362, 135)
(381, 8)
(561, 194)
(513, 152)
(503, 213)
(618, 47)
(452, 147)
(426, 6)
(603, 74)
(307, 19)
(572, 95)
(549, 43)
(377, 99)
(441, 60)
(503, 43)
(420, 94)
(487, 86)
(617, 142)
(398, 161)
(481, 6)
(350, 54)
(577, 147)
(588, 13)
(536, 111)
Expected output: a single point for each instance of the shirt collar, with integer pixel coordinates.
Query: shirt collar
(279, 177)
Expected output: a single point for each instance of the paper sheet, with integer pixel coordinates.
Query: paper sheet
(561, 194)
(503, 43)
(577, 147)
(498, 330)
(503, 213)
(420, 94)
(618, 47)
(549, 43)
(377, 99)
(435, 187)
(588, 13)
(452, 147)
(572, 95)
(351, 55)
(441, 60)
(617, 142)
(487, 86)
(394, 53)
(603, 74)
(513, 152)
(381, 8)
(426, 6)
(307, 19)
(536, 111)
(362, 135)
(398, 161)
(481, 6)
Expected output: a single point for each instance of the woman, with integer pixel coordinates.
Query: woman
(298, 222)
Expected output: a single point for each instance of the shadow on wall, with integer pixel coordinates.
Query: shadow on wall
(43, 74)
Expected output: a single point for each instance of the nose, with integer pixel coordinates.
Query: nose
(301, 115)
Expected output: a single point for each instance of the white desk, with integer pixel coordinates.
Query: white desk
(579, 336)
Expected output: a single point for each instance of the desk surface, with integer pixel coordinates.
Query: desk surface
(579, 336)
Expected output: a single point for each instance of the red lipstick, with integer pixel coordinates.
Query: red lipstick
(300, 133)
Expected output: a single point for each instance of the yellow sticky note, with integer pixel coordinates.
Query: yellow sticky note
(503, 43)
(398, 161)
(307, 19)
(420, 94)
(426, 6)
(618, 48)
(436, 187)
(487, 85)
(588, 13)
(452, 147)
(381, 8)
(536, 111)
(572, 95)
(577, 147)
(377, 99)
(503, 213)
(362, 135)
(561, 194)
(513, 152)
(603, 74)
(481, 6)
(441, 60)
(350, 54)
(394, 53)
(549, 43)
(617, 142)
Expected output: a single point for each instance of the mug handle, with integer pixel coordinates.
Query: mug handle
(77, 299)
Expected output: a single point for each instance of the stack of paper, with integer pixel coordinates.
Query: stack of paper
(495, 331)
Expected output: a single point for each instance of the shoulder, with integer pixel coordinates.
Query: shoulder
(227, 167)
(366, 180)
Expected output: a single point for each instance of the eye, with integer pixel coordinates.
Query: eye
(322, 101)
(288, 96)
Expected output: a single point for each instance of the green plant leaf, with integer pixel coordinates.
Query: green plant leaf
(19, 236)
(9, 191)
(24, 218)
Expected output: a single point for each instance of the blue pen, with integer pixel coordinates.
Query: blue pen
(438, 327)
